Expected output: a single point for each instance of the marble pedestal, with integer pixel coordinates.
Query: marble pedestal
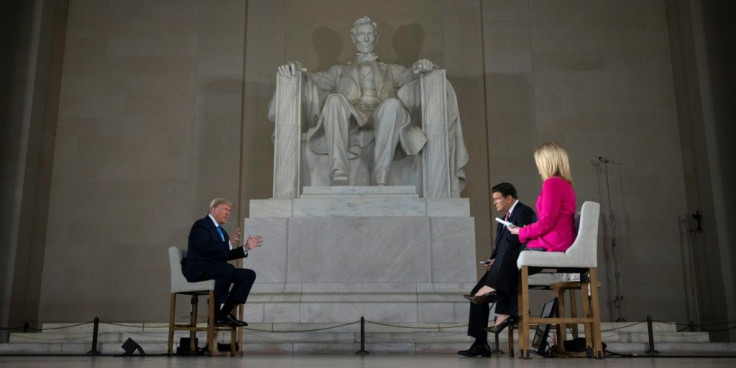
(338, 253)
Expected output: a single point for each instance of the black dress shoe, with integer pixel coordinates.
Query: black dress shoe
(483, 350)
(483, 299)
(509, 321)
(230, 320)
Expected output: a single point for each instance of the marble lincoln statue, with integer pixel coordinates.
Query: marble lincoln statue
(363, 102)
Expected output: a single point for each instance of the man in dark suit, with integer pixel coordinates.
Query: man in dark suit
(210, 249)
(500, 282)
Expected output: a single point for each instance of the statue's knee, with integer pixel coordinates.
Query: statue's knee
(392, 103)
(335, 100)
(385, 116)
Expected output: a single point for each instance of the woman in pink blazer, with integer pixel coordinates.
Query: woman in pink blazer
(554, 230)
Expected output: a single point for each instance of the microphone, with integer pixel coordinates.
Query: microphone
(603, 159)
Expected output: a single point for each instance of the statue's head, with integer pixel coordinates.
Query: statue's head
(364, 34)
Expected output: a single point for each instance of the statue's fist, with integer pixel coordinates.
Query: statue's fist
(423, 66)
(290, 68)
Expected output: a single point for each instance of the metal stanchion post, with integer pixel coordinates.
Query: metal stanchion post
(650, 330)
(95, 330)
(362, 350)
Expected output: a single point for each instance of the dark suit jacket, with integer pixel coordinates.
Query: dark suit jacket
(206, 249)
(521, 215)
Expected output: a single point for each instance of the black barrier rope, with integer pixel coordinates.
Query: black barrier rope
(136, 325)
(41, 338)
(65, 327)
(710, 324)
(622, 327)
(42, 330)
(416, 327)
(700, 326)
(166, 326)
(707, 329)
(307, 330)
(12, 328)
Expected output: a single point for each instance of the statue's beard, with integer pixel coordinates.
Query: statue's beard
(364, 49)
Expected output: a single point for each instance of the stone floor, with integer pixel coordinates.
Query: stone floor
(260, 338)
(369, 361)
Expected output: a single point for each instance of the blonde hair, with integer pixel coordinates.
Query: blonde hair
(552, 160)
(218, 201)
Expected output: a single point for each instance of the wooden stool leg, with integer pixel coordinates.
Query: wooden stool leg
(172, 315)
(233, 333)
(233, 338)
(211, 333)
(193, 325)
(588, 327)
(523, 295)
(595, 310)
(241, 316)
(573, 313)
(561, 327)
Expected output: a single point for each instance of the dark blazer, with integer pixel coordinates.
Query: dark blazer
(206, 249)
(521, 215)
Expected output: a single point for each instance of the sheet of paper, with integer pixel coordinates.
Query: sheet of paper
(506, 223)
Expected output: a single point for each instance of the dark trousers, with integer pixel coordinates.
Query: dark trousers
(226, 275)
(502, 277)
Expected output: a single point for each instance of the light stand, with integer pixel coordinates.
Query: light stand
(698, 217)
(618, 301)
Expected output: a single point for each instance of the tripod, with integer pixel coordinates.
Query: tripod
(618, 301)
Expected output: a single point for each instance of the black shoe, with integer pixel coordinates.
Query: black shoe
(482, 350)
(509, 321)
(230, 320)
(483, 299)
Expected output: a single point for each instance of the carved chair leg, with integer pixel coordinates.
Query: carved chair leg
(595, 310)
(573, 313)
(524, 313)
(172, 315)
(211, 321)
(193, 324)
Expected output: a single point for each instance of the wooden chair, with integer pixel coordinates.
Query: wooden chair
(581, 258)
(180, 286)
(560, 288)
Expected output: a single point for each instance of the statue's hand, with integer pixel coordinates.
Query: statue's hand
(423, 66)
(290, 68)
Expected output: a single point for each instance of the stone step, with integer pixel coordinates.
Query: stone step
(331, 332)
(373, 205)
(70, 338)
(686, 337)
(248, 348)
(674, 348)
(611, 331)
(348, 191)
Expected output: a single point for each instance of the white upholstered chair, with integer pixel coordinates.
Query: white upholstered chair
(581, 258)
(180, 285)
